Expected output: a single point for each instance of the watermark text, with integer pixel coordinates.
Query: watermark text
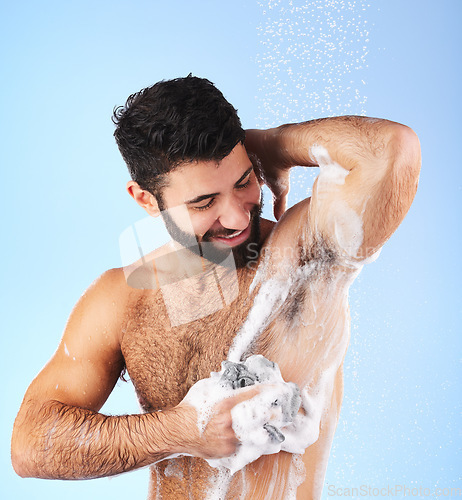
(397, 491)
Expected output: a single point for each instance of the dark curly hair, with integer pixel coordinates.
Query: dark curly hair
(173, 122)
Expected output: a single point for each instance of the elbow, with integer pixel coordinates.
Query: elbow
(19, 465)
(21, 455)
(19, 462)
(403, 173)
(405, 148)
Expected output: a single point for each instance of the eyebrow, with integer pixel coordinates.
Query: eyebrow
(211, 195)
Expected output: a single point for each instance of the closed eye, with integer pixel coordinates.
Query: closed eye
(240, 184)
(206, 206)
(243, 186)
(247, 175)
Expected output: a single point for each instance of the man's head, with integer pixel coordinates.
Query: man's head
(172, 123)
(183, 144)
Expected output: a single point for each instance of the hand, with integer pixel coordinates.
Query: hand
(218, 439)
(270, 165)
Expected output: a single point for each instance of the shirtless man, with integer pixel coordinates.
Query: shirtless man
(184, 147)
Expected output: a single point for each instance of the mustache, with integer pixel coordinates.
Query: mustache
(218, 233)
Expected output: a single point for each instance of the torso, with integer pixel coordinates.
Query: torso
(307, 336)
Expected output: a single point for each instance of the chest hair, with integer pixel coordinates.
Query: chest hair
(164, 361)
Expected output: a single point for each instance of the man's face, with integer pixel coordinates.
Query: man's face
(222, 202)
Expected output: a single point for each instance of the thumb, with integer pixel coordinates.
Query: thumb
(280, 206)
(280, 194)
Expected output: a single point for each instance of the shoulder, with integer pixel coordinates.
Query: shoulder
(110, 284)
(104, 303)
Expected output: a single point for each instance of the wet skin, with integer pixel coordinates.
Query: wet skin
(315, 250)
(179, 356)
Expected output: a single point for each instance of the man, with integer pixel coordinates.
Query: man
(189, 161)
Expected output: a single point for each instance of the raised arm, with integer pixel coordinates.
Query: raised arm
(59, 434)
(368, 177)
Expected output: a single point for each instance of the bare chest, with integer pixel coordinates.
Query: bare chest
(301, 335)
(165, 360)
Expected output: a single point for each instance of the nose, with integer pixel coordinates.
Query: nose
(235, 215)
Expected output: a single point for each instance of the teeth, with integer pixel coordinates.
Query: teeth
(232, 235)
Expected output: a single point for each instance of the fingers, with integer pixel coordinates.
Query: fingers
(218, 438)
(219, 434)
(241, 395)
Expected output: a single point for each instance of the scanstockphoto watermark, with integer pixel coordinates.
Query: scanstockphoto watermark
(396, 491)
(194, 280)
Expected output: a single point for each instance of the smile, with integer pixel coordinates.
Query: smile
(237, 233)
(235, 238)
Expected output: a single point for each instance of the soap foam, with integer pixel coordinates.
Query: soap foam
(219, 485)
(269, 298)
(331, 172)
(259, 423)
(343, 223)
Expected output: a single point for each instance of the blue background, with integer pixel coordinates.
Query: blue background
(65, 65)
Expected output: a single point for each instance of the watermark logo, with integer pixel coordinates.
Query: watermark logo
(162, 253)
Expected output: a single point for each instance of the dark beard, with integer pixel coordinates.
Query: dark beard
(216, 253)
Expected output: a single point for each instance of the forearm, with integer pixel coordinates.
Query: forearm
(369, 168)
(351, 141)
(65, 442)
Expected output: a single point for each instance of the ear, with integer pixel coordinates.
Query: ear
(144, 198)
